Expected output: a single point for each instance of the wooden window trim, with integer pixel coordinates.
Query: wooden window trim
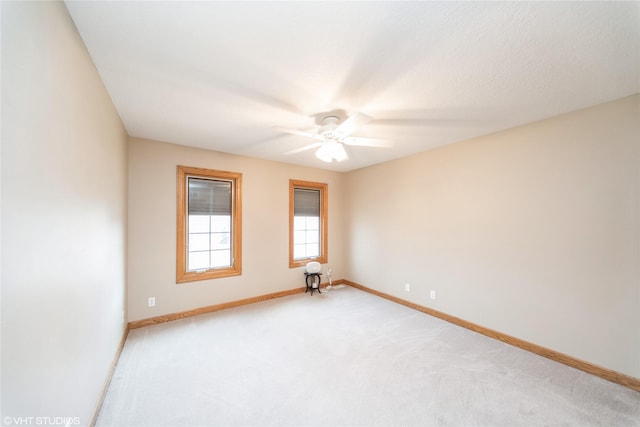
(324, 229)
(182, 275)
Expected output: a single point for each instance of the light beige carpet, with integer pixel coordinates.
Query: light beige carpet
(346, 358)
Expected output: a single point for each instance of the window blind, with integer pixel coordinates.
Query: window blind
(209, 197)
(306, 202)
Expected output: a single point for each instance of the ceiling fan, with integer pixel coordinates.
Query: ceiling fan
(332, 135)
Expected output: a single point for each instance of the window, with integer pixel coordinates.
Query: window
(209, 224)
(307, 222)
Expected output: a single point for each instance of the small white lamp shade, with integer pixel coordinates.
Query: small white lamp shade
(313, 267)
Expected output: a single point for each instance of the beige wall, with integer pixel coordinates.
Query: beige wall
(265, 222)
(534, 232)
(64, 185)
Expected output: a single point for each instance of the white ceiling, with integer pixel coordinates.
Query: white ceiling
(221, 75)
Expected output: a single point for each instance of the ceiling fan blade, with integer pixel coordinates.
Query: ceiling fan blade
(418, 122)
(367, 142)
(351, 124)
(299, 132)
(305, 148)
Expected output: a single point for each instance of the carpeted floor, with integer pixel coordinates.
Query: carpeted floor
(346, 358)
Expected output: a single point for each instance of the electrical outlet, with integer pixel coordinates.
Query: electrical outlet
(407, 287)
(152, 302)
(433, 294)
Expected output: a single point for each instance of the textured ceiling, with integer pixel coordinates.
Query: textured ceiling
(222, 75)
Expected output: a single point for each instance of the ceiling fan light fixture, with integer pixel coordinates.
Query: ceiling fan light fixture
(331, 150)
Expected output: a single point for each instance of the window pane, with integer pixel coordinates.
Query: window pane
(220, 258)
(206, 233)
(299, 251)
(198, 260)
(220, 241)
(312, 236)
(221, 223)
(199, 242)
(312, 250)
(313, 223)
(306, 236)
(198, 223)
(298, 237)
(299, 223)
